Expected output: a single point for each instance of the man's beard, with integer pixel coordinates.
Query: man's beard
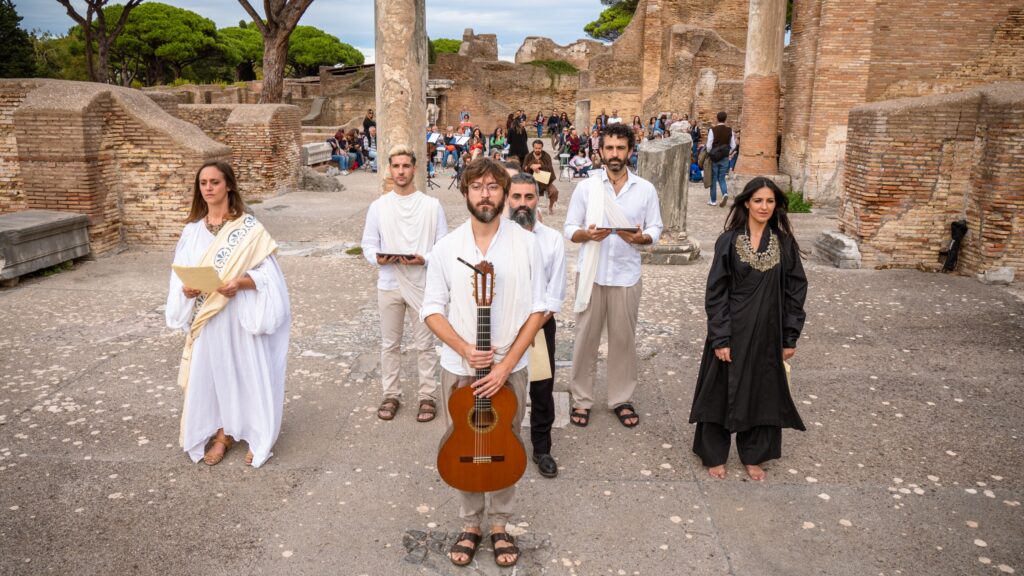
(525, 216)
(615, 164)
(487, 213)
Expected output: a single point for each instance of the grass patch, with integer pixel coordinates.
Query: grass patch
(797, 204)
(52, 270)
(354, 251)
(556, 67)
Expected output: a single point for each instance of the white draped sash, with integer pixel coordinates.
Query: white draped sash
(600, 205)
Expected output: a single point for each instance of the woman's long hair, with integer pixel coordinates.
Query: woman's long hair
(236, 206)
(739, 214)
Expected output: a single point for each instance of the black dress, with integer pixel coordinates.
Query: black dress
(517, 145)
(755, 306)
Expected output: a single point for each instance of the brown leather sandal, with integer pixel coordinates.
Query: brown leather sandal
(227, 442)
(427, 412)
(511, 550)
(248, 458)
(388, 409)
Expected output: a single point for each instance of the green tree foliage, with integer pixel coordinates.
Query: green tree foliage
(613, 20)
(244, 52)
(556, 67)
(158, 37)
(446, 45)
(61, 57)
(309, 48)
(19, 57)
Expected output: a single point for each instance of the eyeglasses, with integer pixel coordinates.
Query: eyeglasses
(480, 187)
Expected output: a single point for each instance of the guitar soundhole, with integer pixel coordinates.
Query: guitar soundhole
(482, 420)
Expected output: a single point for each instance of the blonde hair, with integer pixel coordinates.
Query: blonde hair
(401, 150)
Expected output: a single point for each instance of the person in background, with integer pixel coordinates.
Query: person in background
(581, 164)
(498, 140)
(538, 122)
(368, 121)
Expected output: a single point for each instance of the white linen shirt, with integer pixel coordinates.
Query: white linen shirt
(444, 268)
(552, 251)
(619, 262)
(373, 242)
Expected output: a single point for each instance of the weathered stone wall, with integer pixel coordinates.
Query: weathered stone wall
(915, 165)
(12, 190)
(108, 152)
(844, 54)
(490, 91)
(479, 46)
(347, 96)
(579, 53)
(264, 138)
(657, 63)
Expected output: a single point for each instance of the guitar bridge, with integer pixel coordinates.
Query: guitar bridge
(481, 459)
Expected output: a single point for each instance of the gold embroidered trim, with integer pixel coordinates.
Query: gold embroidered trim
(760, 261)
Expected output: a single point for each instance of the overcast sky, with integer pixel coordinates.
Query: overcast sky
(352, 20)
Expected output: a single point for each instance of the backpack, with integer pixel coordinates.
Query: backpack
(695, 174)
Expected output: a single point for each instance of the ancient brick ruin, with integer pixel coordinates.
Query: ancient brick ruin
(914, 165)
(126, 160)
(107, 152)
(835, 100)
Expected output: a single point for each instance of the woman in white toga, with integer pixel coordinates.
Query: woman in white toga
(233, 365)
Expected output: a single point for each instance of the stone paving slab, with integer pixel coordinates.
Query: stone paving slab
(909, 384)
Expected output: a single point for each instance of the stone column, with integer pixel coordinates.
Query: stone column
(766, 28)
(666, 163)
(401, 81)
(583, 120)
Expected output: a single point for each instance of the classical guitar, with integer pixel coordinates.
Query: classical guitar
(480, 452)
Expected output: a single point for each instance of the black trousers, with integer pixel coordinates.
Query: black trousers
(542, 400)
(759, 444)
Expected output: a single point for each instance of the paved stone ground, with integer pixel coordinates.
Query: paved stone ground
(910, 384)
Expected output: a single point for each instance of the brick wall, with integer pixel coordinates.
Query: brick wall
(264, 140)
(12, 191)
(105, 151)
(490, 91)
(916, 165)
(844, 54)
(661, 58)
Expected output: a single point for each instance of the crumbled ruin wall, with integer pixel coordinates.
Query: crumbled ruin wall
(491, 90)
(915, 165)
(264, 138)
(664, 53)
(105, 151)
(579, 53)
(843, 54)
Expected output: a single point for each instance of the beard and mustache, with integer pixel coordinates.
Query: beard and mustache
(485, 211)
(525, 216)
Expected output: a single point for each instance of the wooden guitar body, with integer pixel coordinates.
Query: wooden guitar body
(480, 452)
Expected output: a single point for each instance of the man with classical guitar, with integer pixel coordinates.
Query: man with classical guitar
(451, 309)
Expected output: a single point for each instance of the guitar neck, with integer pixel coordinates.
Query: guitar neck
(483, 335)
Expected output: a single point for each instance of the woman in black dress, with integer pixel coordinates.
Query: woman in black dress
(755, 306)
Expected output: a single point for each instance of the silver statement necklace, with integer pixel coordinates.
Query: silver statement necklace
(760, 261)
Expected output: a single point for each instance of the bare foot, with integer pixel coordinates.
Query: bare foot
(755, 472)
(717, 471)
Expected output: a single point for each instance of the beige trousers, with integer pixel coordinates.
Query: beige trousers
(392, 319)
(618, 307)
(497, 506)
